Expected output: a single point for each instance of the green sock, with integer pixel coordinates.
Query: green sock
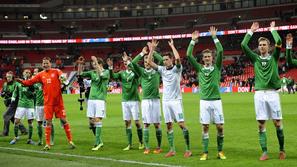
(146, 138)
(52, 134)
(30, 131)
(39, 132)
(220, 142)
(139, 134)
(98, 136)
(263, 141)
(187, 138)
(129, 135)
(159, 136)
(16, 130)
(281, 138)
(205, 140)
(170, 137)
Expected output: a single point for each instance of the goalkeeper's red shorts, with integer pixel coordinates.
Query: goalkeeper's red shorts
(58, 110)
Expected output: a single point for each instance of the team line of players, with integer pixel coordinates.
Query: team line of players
(267, 103)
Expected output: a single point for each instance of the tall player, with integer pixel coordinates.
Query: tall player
(289, 44)
(209, 82)
(267, 82)
(130, 100)
(150, 104)
(172, 97)
(25, 107)
(96, 108)
(51, 80)
(39, 110)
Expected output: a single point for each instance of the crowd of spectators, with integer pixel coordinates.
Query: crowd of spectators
(11, 63)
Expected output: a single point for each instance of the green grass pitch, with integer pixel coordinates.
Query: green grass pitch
(241, 138)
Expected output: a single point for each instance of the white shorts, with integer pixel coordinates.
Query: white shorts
(211, 111)
(284, 88)
(96, 109)
(151, 112)
(267, 105)
(173, 111)
(24, 112)
(39, 113)
(130, 110)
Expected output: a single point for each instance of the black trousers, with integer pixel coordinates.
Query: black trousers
(8, 117)
(290, 89)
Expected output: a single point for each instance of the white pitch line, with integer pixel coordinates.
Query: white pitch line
(89, 157)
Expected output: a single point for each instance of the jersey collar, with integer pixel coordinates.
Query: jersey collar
(148, 70)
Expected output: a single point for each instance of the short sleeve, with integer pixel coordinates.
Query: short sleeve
(161, 69)
(178, 69)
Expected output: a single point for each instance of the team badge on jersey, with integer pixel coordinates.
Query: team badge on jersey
(207, 70)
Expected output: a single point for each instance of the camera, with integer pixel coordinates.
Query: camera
(81, 58)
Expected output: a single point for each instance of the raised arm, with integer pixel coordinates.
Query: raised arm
(140, 55)
(110, 67)
(289, 45)
(190, 56)
(175, 53)
(150, 55)
(277, 40)
(136, 68)
(158, 57)
(133, 66)
(276, 37)
(247, 37)
(80, 65)
(219, 47)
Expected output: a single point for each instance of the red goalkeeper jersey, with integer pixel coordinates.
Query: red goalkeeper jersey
(51, 86)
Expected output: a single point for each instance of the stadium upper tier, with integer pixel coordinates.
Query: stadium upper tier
(138, 26)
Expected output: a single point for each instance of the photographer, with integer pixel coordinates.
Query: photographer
(8, 115)
(87, 85)
(80, 62)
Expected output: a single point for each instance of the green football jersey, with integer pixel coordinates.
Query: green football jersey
(99, 84)
(266, 68)
(150, 79)
(38, 94)
(292, 62)
(209, 77)
(284, 81)
(130, 83)
(25, 96)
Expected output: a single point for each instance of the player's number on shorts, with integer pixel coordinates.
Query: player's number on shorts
(278, 113)
(181, 115)
(221, 117)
